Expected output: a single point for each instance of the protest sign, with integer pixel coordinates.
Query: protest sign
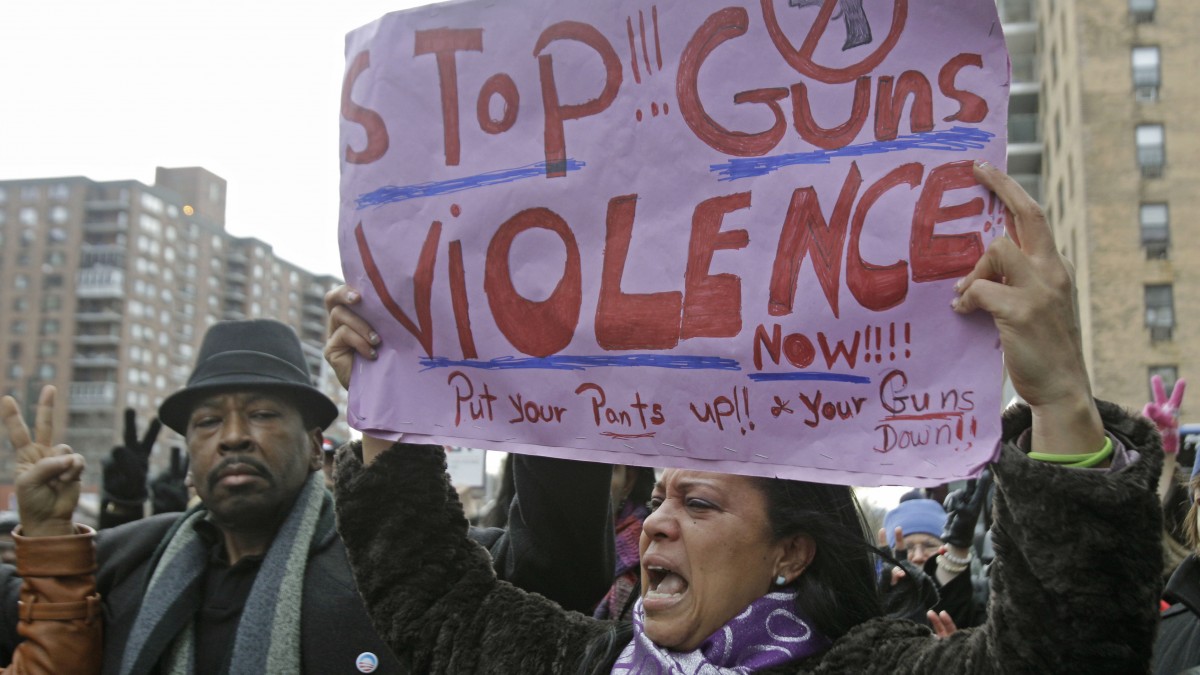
(679, 233)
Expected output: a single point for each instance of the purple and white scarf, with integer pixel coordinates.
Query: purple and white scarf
(770, 632)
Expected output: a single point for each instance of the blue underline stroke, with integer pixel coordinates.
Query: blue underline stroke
(956, 139)
(398, 193)
(809, 377)
(569, 362)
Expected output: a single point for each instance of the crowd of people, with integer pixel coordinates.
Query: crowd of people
(1051, 561)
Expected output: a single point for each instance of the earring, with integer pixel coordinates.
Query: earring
(780, 580)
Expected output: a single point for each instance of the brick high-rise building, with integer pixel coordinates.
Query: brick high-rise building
(106, 289)
(1120, 175)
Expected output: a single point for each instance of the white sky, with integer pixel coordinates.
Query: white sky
(248, 89)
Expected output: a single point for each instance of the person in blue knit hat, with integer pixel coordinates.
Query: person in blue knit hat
(915, 526)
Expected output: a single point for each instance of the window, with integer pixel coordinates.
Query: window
(151, 203)
(59, 215)
(1151, 149)
(48, 349)
(15, 371)
(1154, 222)
(1142, 10)
(50, 327)
(1160, 311)
(51, 303)
(28, 216)
(1168, 374)
(1146, 74)
(46, 372)
(150, 225)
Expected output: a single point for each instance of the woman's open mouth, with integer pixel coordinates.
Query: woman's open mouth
(665, 587)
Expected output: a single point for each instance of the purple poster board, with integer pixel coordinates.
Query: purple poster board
(711, 235)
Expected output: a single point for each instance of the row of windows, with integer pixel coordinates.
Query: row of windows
(45, 372)
(46, 327)
(1153, 218)
(50, 303)
(29, 216)
(49, 281)
(32, 193)
(46, 349)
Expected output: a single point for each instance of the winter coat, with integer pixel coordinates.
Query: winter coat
(558, 543)
(60, 612)
(1075, 584)
(1178, 646)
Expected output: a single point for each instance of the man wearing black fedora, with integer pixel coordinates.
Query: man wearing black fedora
(255, 579)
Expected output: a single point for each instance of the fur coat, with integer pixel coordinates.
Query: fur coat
(1075, 584)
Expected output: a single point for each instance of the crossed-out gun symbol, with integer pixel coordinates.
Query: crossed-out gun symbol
(858, 28)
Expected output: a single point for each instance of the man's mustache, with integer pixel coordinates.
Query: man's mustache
(249, 464)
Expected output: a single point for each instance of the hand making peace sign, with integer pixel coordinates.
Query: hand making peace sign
(47, 477)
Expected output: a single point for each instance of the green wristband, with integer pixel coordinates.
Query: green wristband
(1084, 461)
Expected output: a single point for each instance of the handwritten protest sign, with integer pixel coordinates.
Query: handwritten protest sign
(679, 233)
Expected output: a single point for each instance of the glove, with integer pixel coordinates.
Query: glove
(168, 489)
(962, 511)
(1164, 412)
(124, 470)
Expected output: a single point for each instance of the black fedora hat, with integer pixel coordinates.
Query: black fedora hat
(258, 354)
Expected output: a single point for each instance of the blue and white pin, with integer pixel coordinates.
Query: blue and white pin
(367, 662)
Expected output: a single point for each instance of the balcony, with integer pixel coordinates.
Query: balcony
(1032, 183)
(315, 291)
(1025, 69)
(105, 204)
(1015, 11)
(92, 395)
(113, 338)
(106, 223)
(102, 255)
(314, 328)
(1024, 128)
(96, 361)
(106, 316)
(100, 282)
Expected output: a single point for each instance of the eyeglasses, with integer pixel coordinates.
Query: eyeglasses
(922, 547)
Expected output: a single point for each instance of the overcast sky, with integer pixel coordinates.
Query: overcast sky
(249, 89)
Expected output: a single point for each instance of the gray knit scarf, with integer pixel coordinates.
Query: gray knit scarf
(268, 633)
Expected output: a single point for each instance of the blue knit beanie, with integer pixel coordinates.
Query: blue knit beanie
(915, 516)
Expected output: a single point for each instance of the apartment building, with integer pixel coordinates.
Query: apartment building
(106, 289)
(1120, 174)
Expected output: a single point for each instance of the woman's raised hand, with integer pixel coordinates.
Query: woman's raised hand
(349, 333)
(1027, 287)
(47, 477)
